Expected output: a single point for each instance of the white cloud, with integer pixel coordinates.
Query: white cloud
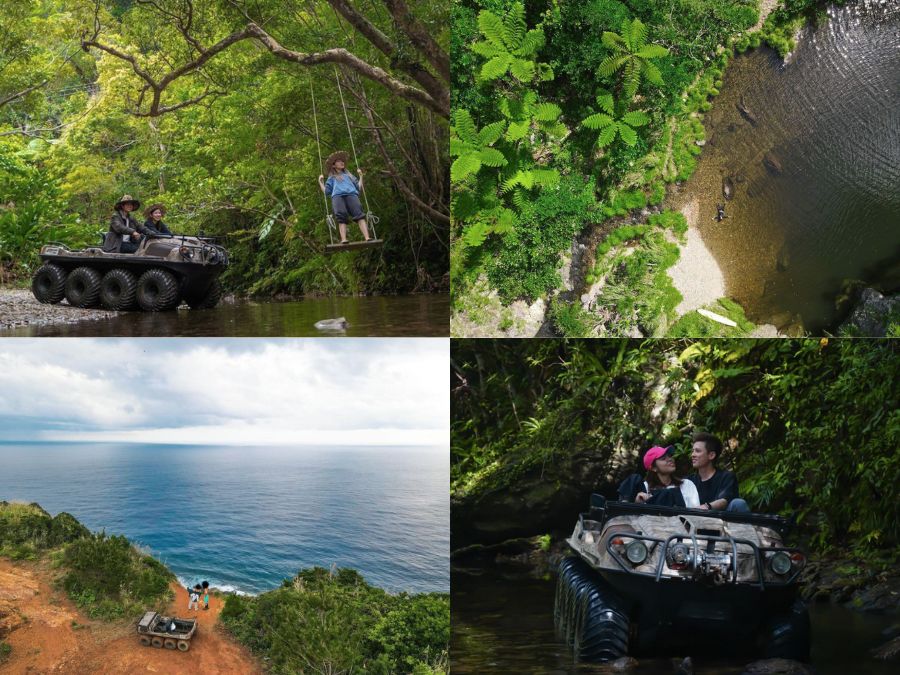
(271, 389)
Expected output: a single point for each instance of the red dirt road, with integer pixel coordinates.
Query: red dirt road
(48, 634)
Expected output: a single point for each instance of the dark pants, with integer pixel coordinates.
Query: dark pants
(129, 245)
(347, 207)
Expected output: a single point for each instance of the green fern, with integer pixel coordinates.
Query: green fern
(472, 147)
(510, 47)
(610, 123)
(632, 55)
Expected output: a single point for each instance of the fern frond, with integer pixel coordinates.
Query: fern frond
(496, 67)
(635, 118)
(652, 52)
(464, 126)
(638, 35)
(492, 157)
(531, 44)
(606, 102)
(629, 135)
(517, 130)
(514, 26)
(597, 121)
(464, 166)
(491, 26)
(491, 133)
(459, 147)
(613, 41)
(522, 70)
(547, 112)
(487, 49)
(651, 72)
(610, 65)
(607, 135)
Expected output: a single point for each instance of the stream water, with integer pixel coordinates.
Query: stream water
(384, 316)
(504, 624)
(827, 207)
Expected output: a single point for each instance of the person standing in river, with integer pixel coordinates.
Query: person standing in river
(344, 189)
(124, 234)
(717, 488)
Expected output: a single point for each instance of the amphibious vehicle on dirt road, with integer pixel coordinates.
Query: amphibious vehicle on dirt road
(155, 630)
(647, 578)
(164, 271)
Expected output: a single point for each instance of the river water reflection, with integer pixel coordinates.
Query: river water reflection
(387, 316)
(814, 161)
(504, 624)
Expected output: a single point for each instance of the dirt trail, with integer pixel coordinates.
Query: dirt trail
(48, 634)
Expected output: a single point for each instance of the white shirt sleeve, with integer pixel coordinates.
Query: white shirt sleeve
(690, 494)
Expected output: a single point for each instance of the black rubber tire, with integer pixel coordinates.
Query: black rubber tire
(49, 284)
(118, 290)
(588, 614)
(83, 287)
(169, 643)
(183, 645)
(157, 642)
(157, 290)
(787, 636)
(145, 640)
(210, 299)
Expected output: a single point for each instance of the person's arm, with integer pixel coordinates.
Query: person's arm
(728, 490)
(324, 185)
(118, 225)
(359, 183)
(164, 229)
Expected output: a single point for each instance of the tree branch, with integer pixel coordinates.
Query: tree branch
(21, 94)
(420, 37)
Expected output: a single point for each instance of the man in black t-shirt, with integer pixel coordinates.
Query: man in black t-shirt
(718, 489)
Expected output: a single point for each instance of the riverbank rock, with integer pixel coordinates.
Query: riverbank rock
(873, 313)
(888, 651)
(777, 667)
(18, 307)
(772, 164)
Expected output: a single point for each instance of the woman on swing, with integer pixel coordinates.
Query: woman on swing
(343, 188)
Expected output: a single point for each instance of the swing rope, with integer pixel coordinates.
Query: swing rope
(328, 217)
(371, 218)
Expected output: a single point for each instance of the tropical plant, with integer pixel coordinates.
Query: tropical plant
(632, 54)
(509, 47)
(612, 123)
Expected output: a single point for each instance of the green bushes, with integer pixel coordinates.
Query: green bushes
(570, 319)
(318, 622)
(26, 529)
(694, 324)
(525, 262)
(5, 651)
(108, 578)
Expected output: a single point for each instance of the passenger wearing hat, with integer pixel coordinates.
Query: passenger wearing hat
(655, 488)
(344, 188)
(124, 234)
(154, 224)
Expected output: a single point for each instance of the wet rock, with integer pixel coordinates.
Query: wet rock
(777, 667)
(888, 651)
(339, 323)
(727, 188)
(700, 143)
(872, 313)
(772, 164)
(745, 111)
(783, 260)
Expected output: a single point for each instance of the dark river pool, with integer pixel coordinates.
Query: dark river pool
(504, 624)
(814, 161)
(387, 316)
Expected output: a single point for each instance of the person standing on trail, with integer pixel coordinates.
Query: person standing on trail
(124, 234)
(344, 188)
(205, 594)
(194, 597)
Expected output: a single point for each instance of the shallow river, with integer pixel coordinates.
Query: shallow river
(827, 208)
(504, 624)
(410, 315)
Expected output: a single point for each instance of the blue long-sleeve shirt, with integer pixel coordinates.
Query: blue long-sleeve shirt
(347, 185)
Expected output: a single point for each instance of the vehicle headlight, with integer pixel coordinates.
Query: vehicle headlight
(636, 552)
(780, 563)
(186, 252)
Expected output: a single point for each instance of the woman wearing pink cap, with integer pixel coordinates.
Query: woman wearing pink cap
(659, 463)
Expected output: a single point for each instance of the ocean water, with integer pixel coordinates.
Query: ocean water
(245, 518)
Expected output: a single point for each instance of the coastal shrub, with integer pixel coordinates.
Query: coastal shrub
(5, 651)
(415, 632)
(27, 528)
(569, 319)
(108, 578)
(324, 622)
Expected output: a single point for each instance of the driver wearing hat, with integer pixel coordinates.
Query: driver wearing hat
(124, 230)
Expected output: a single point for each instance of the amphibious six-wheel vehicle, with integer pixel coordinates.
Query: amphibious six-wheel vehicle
(653, 578)
(164, 271)
(155, 630)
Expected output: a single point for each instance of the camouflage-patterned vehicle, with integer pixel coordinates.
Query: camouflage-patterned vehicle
(156, 630)
(163, 272)
(651, 578)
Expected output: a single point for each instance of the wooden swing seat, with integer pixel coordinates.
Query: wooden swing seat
(352, 246)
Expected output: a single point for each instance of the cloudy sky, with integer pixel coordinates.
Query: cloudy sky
(244, 392)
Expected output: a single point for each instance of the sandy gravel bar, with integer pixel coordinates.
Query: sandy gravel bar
(19, 308)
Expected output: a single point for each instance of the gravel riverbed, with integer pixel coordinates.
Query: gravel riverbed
(19, 308)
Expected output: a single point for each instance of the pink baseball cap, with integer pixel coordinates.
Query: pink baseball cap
(655, 453)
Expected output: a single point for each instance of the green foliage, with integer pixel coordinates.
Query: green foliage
(318, 622)
(632, 55)
(610, 124)
(525, 262)
(570, 319)
(5, 651)
(510, 48)
(694, 324)
(108, 578)
(27, 529)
